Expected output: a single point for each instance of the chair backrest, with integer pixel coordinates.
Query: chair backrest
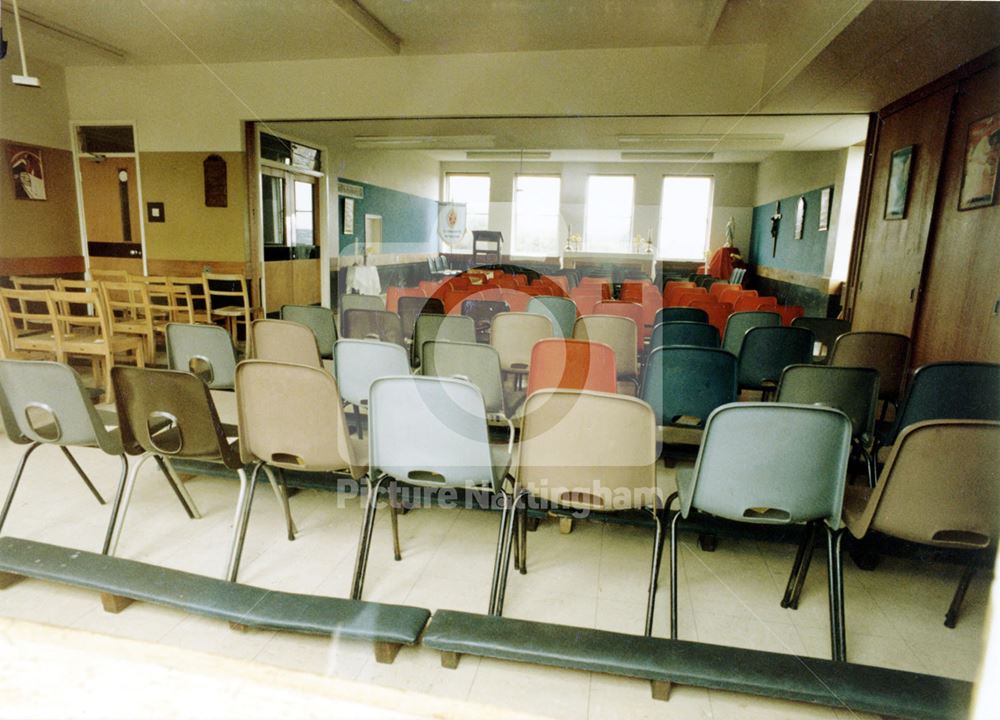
(561, 311)
(48, 403)
(950, 390)
(766, 351)
(588, 450)
(514, 334)
(225, 290)
(82, 314)
(354, 301)
(412, 307)
(360, 362)
(430, 431)
(205, 350)
(889, 353)
(688, 314)
(772, 463)
(740, 322)
(854, 391)
(573, 365)
(940, 486)
(482, 313)
(285, 341)
(616, 332)
(685, 384)
(26, 314)
(319, 319)
(456, 328)
(362, 324)
(29, 282)
(475, 362)
(273, 398)
(826, 330)
(393, 293)
(632, 311)
(171, 413)
(684, 332)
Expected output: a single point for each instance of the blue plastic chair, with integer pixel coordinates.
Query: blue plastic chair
(683, 314)
(685, 384)
(684, 332)
(766, 351)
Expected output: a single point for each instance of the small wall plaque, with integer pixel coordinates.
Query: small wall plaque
(215, 181)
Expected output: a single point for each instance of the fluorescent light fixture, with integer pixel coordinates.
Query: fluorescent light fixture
(664, 155)
(726, 140)
(363, 141)
(438, 142)
(508, 155)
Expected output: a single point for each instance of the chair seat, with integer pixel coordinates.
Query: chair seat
(230, 311)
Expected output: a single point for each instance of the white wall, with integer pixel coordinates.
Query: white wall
(409, 171)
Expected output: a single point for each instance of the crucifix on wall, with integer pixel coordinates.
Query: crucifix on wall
(775, 224)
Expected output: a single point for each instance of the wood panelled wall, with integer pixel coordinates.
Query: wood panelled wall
(933, 275)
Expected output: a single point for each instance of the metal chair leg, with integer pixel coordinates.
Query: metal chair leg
(673, 574)
(800, 568)
(951, 619)
(115, 505)
(838, 640)
(122, 510)
(654, 572)
(16, 482)
(394, 518)
(505, 501)
(870, 466)
(505, 556)
(178, 487)
(82, 474)
(244, 503)
(281, 492)
(364, 541)
(522, 537)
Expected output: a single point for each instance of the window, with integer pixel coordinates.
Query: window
(474, 191)
(536, 215)
(607, 225)
(685, 216)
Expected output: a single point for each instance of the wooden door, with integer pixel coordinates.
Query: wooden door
(111, 212)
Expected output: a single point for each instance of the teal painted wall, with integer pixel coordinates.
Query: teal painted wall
(807, 255)
(409, 222)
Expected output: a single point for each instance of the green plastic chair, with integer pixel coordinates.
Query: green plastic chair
(740, 322)
(320, 319)
(771, 464)
(363, 324)
(680, 314)
(766, 351)
(455, 328)
(205, 350)
(561, 311)
(684, 384)
(356, 301)
(359, 363)
(683, 332)
(826, 330)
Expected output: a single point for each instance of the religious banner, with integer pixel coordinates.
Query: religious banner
(451, 222)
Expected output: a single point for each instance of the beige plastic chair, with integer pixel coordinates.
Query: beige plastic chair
(285, 341)
(889, 353)
(513, 335)
(620, 333)
(585, 450)
(940, 487)
(232, 306)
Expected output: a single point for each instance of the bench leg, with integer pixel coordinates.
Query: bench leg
(385, 652)
(565, 525)
(450, 660)
(114, 603)
(661, 689)
(7, 579)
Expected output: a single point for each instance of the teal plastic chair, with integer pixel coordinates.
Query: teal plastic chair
(826, 330)
(46, 403)
(455, 328)
(771, 464)
(320, 319)
(766, 351)
(430, 432)
(683, 332)
(740, 322)
(561, 311)
(680, 314)
(205, 350)
(359, 363)
(685, 384)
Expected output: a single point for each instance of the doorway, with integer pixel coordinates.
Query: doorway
(373, 235)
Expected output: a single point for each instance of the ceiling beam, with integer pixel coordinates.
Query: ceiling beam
(370, 24)
(67, 33)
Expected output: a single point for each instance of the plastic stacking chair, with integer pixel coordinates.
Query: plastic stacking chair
(227, 298)
(272, 399)
(166, 414)
(359, 363)
(740, 322)
(394, 293)
(771, 464)
(939, 487)
(410, 308)
(355, 301)
(561, 311)
(689, 314)
(826, 330)
(46, 403)
(684, 332)
(889, 353)
(285, 341)
(361, 324)
(573, 365)
(455, 328)
(430, 432)
(683, 385)
(624, 309)
(319, 319)
(853, 391)
(205, 350)
(513, 335)
(619, 334)
(585, 450)
(766, 351)
(474, 362)
(482, 313)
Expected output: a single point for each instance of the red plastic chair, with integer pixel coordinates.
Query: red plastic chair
(558, 280)
(633, 311)
(573, 365)
(718, 288)
(746, 302)
(520, 278)
(429, 287)
(393, 293)
(632, 290)
(790, 312)
(672, 288)
(732, 294)
(585, 301)
(766, 302)
(603, 284)
(453, 300)
(718, 313)
(516, 300)
(683, 298)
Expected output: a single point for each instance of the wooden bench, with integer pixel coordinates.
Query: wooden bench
(860, 688)
(121, 581)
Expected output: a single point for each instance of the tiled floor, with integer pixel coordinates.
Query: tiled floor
(593, 577)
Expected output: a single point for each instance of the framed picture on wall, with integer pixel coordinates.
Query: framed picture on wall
(899, 183)
(982, 155)
(348, 216)
(26, 167)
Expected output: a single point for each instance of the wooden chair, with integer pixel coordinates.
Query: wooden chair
(130, 312)
(196, 291)
(225, 303)
(29, 327)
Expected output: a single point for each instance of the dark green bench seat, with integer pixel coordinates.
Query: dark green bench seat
(121, 581)
(861, 688)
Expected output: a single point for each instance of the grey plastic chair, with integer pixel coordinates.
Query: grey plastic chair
(680, 314)
(561, 311)
(430, 432)
(355, 301)
(285, 341)
(456, 328)
(826, 330)
(684, 332)
(474, 362)
(320, 319)
(362, 324)
(46, 403)
(205, 350)
(889, 353)
(410, 308)
(766, 351)
(684, 384)
(771, 464)
(740, 322)
(359, 363)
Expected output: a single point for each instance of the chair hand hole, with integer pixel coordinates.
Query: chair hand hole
(43, 421)
(576, 497)
(762, 513)
(201, 366)
(287, 459)
(425, 476)
(164, 432)
(961, 537)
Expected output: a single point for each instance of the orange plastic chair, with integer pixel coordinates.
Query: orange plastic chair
(732, 294)
(790, 312)
(516, 300)
(633, 311)
(718, 313)
(766, 302)
(559, 281)
(683, 298)
(429, 287)
(672, 287)
(453, 301)
(593, 282)
(573, 365)
(718, 288)
(585, 301)
(393, 293)
(520, 278)
(632, 290)
(746, 302)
